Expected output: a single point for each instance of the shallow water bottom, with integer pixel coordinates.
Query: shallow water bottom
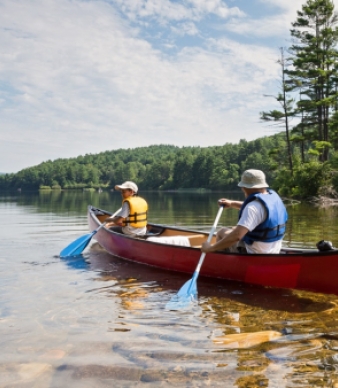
(105, 323)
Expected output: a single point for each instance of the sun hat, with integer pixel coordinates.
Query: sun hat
(127, 185)
(253, 179)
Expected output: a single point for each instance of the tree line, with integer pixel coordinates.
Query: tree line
(164, 167)
(157, 167)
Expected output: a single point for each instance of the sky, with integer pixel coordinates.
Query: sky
(85, 76)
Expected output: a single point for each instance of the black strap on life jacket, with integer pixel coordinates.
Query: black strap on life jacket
(134, 218)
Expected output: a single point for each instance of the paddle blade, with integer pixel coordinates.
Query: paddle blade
(188, 293)
(185, 296)
(77, 246)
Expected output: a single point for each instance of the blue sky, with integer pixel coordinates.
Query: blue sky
(85, 76)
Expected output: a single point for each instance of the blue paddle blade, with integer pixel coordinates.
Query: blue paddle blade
(185, 296)
(188, 293)
(77, 246)
(180, 303)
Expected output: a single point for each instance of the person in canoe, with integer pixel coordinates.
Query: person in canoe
(133, 215)
(262, 219)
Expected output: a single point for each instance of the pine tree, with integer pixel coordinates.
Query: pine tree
(286, 103)
(315, 68)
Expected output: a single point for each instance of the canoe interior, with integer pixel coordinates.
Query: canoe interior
(196, 238)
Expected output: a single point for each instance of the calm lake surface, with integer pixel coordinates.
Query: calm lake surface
(97, 321)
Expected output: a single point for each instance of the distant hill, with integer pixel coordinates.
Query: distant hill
(156, 167)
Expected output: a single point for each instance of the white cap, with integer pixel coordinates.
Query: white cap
(127, 185)
(253, 179)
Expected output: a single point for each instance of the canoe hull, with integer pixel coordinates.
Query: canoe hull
(295, 269)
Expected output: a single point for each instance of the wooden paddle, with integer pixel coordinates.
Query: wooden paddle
(188, 292)
(78, 246)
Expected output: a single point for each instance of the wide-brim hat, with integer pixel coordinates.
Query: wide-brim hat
(127, 185)
(253, 179)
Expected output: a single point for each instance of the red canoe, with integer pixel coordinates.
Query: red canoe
(176, 249)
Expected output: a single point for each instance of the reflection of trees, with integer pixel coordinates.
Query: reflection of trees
(309, 224)
(71, 202)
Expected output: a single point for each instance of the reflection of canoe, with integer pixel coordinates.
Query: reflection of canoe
(167, 247)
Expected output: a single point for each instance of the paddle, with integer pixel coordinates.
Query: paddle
(78, 246)
(188, 292)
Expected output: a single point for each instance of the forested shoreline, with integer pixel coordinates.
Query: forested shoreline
(157, 167)
(168, 167)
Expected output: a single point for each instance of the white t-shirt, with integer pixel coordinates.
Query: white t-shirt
(254, 214)
(124, 212)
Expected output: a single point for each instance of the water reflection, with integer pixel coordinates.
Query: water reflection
(308, 223)
(98, 321)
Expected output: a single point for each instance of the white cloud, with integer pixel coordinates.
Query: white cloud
(76, 78)
(287, 5)
(176, 11)
(217, 7)
(272, 26)
(182, 29)
(269, 25)
(290, 7)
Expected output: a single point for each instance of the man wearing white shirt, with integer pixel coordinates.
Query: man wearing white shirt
(262, 219)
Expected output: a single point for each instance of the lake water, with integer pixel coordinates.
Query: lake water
(97, 321)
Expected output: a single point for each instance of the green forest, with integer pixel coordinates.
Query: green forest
(157, 167)
(167, 167)
(300, 161)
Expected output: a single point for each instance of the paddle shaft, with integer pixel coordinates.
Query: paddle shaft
(199, 265)
(101, 226)
(104, 223)
(212, 231)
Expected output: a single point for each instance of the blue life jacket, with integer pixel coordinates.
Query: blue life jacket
(273, 228)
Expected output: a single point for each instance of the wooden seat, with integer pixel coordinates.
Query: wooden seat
(196, 240)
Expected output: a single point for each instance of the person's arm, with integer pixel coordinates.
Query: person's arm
(114, 221)
(119, 217)
(233, 237)
(227, 203)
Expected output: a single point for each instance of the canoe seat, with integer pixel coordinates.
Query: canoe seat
(170, 240)
(192, 240)
(196, 240)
